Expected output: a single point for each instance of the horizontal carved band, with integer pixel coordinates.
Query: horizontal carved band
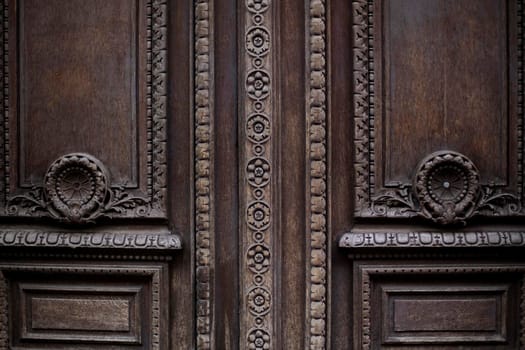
(432, 239)
(30, 239)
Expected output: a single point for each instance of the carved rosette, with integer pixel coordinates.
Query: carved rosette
(75, 186)
(447, 187)
(447, 190)
(257, 228)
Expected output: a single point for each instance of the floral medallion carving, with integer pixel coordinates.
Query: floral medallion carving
(259, 339)
(258, 127)
(258, 215)
(258, 163)
(447, 190)
(447, 186)
(257, 5)
(76, 186)
(258, 41)
(259, 301)
(258, 172)
(258, 84)
(76, 189)
(258, 258)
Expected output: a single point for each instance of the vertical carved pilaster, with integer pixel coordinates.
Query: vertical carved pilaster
(317, 141)
(256, 192)
(203, 171)
(158, 103)
(362, 69)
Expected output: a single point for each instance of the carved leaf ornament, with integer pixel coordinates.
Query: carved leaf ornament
(447, 190)
(76, 190)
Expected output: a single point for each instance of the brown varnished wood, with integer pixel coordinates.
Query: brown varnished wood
(88, 90)
(292, 168)
(344, 247)
(225, 328)
(340, 166)
(180, 169)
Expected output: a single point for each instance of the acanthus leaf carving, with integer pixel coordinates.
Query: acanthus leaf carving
(446, 190)
(76, 190)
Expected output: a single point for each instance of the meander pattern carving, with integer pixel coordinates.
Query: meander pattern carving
(317, 139)
(257, 237)
(45, 201)
(409, 200)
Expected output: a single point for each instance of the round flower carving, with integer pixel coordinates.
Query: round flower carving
(258, 84)
(258, 339)
(76, 186)
(257, 5)
(258, 215)
(447, 187)
(259, 301)
(258, 258)
(257, 41)
(258, 127)
(258, 172)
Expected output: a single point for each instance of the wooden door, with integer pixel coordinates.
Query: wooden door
(257, 174)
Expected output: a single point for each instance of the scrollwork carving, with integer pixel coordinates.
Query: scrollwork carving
(446, 190)
(76, 190)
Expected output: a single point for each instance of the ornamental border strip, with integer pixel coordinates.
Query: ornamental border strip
(432, 239)
(203, 170)
(96, 240)
(257, 236)
(317, 254)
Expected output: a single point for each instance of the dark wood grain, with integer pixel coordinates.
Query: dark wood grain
(83, 94)
(442, 75)
(156, 96)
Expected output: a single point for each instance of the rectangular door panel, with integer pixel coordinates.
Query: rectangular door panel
(84, 109)
(438, 117)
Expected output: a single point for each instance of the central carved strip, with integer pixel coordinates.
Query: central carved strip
(257, 276)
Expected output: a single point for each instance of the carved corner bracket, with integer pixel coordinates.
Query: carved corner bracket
(76, 189)
(446, 189)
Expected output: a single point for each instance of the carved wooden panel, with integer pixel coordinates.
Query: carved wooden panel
(438, 91)
(477, 306)
(83, 109)
(257, 191)
(92, 307)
